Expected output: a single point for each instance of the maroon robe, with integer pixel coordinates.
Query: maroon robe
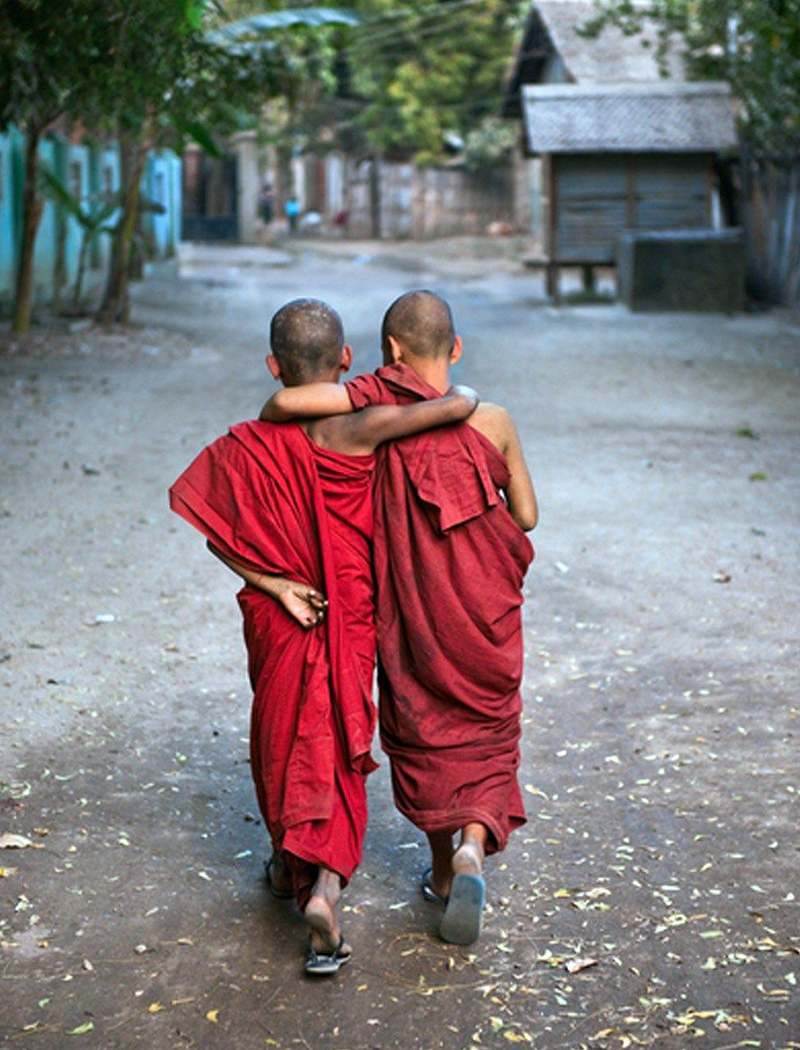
(449, 567)
(270, 499)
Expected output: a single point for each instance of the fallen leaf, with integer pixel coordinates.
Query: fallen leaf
(155, 1008)
(82, 1029)
(6, 872)
(212, 1016)
(8, 840)
(578, 964)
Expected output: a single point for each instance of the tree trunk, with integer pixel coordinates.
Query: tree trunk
(60, 268)
(32, 206)
(115, 305)
(76, 295)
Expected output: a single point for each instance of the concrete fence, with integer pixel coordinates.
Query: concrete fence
(87, 168)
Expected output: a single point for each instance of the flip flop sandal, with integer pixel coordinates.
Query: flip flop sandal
(319, 965)
(281, 895)
(428, 892)
(461, 923)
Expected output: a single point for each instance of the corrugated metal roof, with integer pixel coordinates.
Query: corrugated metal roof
(659, 116)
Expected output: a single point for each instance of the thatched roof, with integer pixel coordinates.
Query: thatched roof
(552, 50)
(659, 116)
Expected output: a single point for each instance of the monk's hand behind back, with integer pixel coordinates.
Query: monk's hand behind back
(304, 603)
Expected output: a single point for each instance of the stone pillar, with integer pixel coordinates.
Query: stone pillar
(248, 185)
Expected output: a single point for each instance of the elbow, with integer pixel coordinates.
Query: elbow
(527, 520)
(275, 410)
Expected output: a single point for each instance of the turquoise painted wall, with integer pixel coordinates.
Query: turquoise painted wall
(87, 169)
(8, 238)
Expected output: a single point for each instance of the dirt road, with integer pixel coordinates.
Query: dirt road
(661, 691)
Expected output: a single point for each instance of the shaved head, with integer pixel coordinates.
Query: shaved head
(306, 336)
(422, 322)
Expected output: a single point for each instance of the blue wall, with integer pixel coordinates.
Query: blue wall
(88, 168)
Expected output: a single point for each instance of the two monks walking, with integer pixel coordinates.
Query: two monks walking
(386, 513)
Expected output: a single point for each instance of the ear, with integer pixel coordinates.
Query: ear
(395, 349)
(455, 353)
(346, 362)
(274, 367)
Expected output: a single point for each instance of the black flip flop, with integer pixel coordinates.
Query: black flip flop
(428, 892)
(281, 895)
(320, 965)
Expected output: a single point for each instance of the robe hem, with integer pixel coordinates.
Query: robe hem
(454, 821)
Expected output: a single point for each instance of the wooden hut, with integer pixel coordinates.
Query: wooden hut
(621, 148)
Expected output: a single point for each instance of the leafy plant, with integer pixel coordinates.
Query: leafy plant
(94, 215)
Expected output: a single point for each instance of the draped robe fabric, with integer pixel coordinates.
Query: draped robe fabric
(449, 566)
(270, 499)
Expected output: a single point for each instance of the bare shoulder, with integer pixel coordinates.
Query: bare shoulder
(494, 422)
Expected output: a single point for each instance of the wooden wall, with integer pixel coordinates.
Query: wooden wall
(592, 197)
(400, 200)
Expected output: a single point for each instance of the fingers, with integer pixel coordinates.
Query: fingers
(310, 595)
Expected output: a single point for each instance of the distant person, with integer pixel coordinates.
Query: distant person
(289, 509)
(266, 203)
(292, 209)
(451, 511)
(340, 220)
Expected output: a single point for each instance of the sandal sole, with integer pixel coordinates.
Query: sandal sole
(462, 919)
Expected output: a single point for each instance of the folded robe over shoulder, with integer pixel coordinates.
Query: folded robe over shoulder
(449, 567)
(256, 495)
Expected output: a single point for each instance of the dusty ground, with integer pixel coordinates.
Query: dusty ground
(662, 705)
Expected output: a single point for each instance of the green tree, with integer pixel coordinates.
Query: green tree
(44, 47)
(754, 44)
(430, 72)
(180, 72)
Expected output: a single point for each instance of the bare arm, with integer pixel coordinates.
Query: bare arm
(520, 493)
(305, 604)
(370, 427)
(312, 399)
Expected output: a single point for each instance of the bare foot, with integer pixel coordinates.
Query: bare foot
(320, 914)
(278, 874)
(441, 843)
(468, 858)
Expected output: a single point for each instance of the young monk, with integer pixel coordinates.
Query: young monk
(448, 618)
(290, 510)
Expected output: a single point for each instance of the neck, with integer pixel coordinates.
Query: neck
(435, 371)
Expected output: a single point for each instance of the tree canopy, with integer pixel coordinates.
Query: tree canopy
(753, 44)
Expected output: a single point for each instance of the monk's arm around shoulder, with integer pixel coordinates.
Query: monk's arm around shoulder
(310, 399)
(372, 426)
(305, 604)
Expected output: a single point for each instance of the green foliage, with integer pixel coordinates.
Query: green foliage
(41, 44)
(429, 71)
(490, 142)
(93, 216)
(754, 44)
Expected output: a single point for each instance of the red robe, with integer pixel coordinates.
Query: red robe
(449, 567)
(269, 498)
